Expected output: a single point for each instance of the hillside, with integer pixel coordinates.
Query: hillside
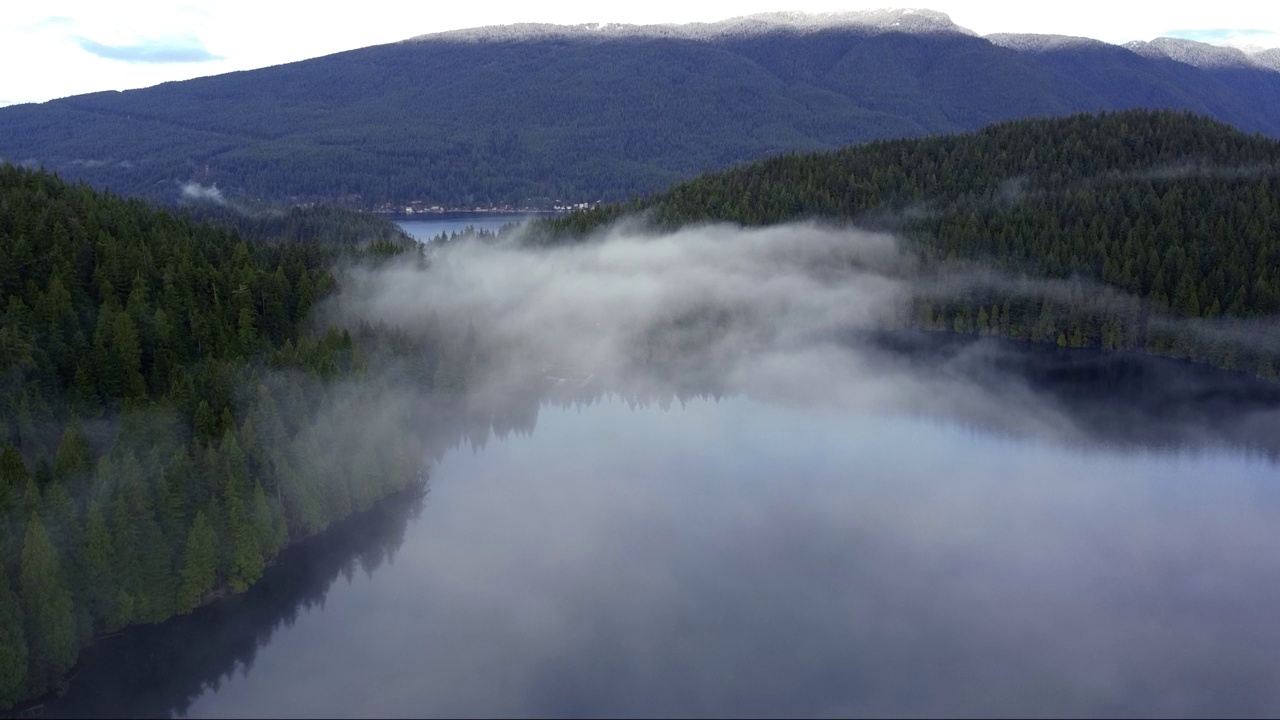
(533, 114)
(1137, 229)
(327, 225)
(171, 416)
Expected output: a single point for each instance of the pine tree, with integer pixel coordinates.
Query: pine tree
(61, 519)
(263, 523)
(159, 583)
(13, 477)
(51, 625)
(13, 645)
(74, 459)
(205, 422)
(233, 461)
(98, 587)
(128, 356)
(84, 393)
(200, 564)
(172, 486)
(246, 557)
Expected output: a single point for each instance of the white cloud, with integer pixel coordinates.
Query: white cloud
(194, 191)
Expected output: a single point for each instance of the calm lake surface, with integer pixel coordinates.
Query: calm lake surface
(427, 227)
(735, 556)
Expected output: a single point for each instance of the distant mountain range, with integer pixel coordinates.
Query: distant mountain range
(535, 114)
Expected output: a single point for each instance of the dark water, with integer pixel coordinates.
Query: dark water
(427, 227)
(732, 556)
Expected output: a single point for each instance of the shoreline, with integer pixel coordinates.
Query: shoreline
(222, 595)
(464, 212)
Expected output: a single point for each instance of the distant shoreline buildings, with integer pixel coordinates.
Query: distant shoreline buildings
(421, 207)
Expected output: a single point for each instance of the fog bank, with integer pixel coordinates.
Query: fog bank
(787, 313)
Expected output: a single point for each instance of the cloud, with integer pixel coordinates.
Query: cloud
(1229, 36)
(801, 314)
(172, 50)
(196, 192)
(761, 311)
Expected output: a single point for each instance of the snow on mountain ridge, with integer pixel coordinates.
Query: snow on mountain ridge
(1191, 52)
(1187, 52)
(908, 20)
(1033, 42)
(871, 22)
(1267, 58)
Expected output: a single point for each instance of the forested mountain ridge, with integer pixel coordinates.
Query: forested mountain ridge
(536, 114)
(1155, 225)
(170, 417)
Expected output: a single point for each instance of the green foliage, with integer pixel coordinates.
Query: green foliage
(246, 553)
(142, 351)
(323, 225)
(74, 458)
(13, 476)
(200, 566)
(51, 628)
(97, 584)
(265, 528)
(13, 645)
(996, 169)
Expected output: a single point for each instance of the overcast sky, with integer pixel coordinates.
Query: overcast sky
(75, 46)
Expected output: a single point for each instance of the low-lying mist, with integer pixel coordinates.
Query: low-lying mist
(793, 314)
(621, 305)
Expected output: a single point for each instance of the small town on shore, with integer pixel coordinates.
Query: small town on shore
(423, 207)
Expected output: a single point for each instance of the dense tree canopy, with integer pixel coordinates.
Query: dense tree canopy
(162, 398)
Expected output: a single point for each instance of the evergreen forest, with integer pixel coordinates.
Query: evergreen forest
(171, 418)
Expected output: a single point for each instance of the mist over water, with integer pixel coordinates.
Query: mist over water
(736, 557)
(709, 473)
(795, 314)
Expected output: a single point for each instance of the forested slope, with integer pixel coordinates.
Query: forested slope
(327, 225)
(544, 113)
(1145, 218)
(169, 417)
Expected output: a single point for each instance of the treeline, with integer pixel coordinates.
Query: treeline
(1149, 218)
(335, 227)
(156, 673)
(170, 418)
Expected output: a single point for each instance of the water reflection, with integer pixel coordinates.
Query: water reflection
(1111, 400)
(736, 559)
(676, 552)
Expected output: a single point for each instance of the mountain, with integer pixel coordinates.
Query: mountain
(531, 114)
(1150, 230)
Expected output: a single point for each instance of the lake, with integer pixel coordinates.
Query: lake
(713, 556)
(426, 227)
